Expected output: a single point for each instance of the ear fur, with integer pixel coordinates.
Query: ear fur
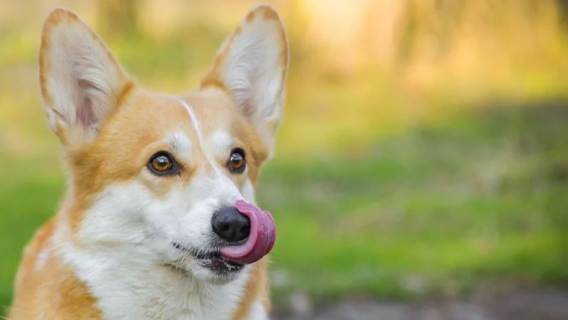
(80, 80)
(251, 66)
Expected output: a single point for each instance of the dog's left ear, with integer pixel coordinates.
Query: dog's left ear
(251, 66)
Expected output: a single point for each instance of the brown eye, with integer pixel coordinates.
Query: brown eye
(237, 161)
(162, 164)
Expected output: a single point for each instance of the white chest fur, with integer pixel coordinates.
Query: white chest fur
(128, 288)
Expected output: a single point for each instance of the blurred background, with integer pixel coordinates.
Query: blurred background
(422, 165)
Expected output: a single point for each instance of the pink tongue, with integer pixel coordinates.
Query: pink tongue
(261, 238)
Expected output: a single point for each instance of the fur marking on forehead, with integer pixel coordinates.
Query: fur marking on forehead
(220, 175)
(194, 122)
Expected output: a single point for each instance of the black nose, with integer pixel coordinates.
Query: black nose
(230, 224)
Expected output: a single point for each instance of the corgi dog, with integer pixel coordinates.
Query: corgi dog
(159, 219)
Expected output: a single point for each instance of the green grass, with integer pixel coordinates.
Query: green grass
(28, 195)
(434, 210)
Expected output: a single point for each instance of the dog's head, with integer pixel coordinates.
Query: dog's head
(167, 177)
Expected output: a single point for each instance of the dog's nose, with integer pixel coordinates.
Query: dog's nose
(230, 224)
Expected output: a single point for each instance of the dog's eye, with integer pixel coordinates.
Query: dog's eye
(162, 164)
(237, 161)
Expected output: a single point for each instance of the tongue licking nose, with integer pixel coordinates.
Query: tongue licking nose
(260, 240)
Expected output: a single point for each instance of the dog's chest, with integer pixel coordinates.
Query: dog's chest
(134, 291)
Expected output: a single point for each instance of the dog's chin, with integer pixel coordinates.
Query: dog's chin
(217, 271)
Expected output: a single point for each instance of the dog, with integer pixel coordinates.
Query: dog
(159, 219)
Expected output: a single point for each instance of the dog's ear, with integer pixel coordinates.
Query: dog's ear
(251, 66)
(80, 80)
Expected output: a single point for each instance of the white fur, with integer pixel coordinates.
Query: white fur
(41, 259)
(258, 311)
(221, 142)
(180, 144)
(129, 284)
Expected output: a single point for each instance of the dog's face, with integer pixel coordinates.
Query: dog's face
(162, 176)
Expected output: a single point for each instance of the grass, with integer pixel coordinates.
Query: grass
(436, 210)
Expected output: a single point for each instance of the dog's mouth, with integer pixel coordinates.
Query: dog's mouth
(227, 258)
(212, 260)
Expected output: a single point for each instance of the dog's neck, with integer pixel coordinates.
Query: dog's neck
(126, 285)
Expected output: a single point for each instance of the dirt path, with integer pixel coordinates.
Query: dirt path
(517, 305)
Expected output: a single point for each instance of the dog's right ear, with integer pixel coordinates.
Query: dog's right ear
(251, 66)
(80, 80)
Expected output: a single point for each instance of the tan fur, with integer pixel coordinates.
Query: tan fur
(254, 289)
(128, 137)
(53, 291)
